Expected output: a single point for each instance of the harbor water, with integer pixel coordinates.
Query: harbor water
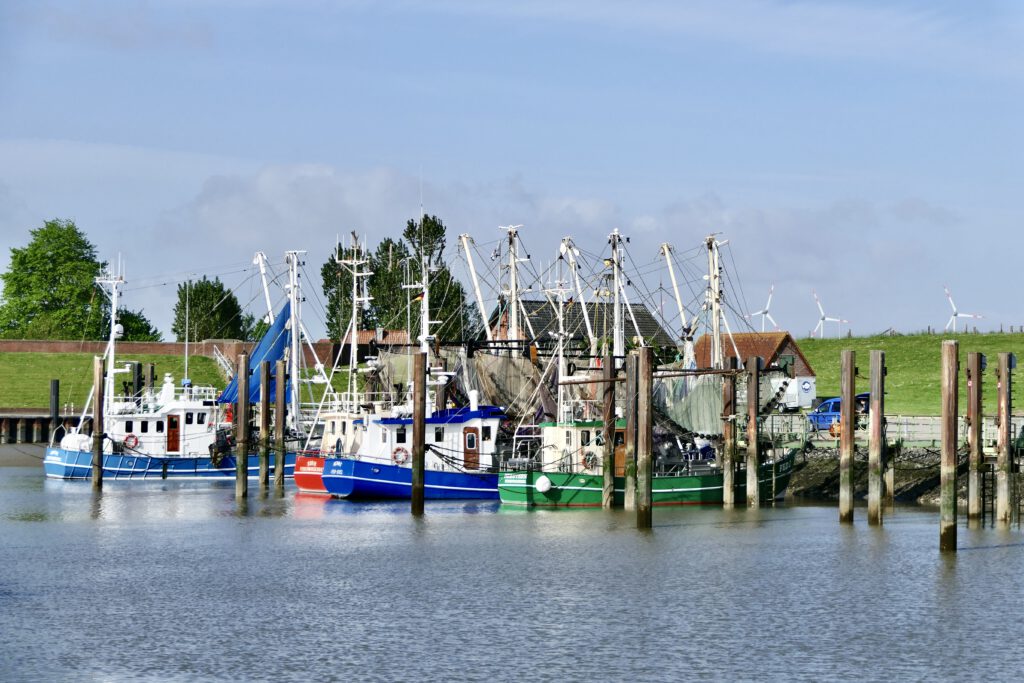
(175, 581)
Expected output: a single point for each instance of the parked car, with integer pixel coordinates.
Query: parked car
(827, 412)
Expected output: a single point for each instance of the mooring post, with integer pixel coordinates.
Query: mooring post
(728, 462)
(644, 438)
(37, 430)
(150, 376)
(280, 391)
(242, 435)
(947, 471)
(629, 495)
(974, 436)
(20, 431)
(54, 407)
(419, 418)
(876, 447)
(264, 424)
(4, 430)
(1004, 462)
(846, 427)
(97, 422)
(753, 446)
(608, 456)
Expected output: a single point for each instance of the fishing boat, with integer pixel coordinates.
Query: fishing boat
(566, 468)
(170, 431)
(366, 442)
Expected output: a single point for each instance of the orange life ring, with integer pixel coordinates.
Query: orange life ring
(589, 460)
(835, 429)
(400, 456)
(131, 441)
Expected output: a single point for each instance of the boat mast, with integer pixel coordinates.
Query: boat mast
(714, 295)
(666, 249)
(570, 250)
(513, 281)
(466, 239)
(114, 282)
(618, 340)
(295, 361)
(260, 259)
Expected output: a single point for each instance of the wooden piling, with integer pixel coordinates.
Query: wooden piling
(608, 456)
(974, 435)
(37, 430)
(629, 495)
(847, 425)
(280, 391)
(54, 407)
(264, 425)
(644, 437)
(947, 471)
(728, 460)
(20, 433)
(1004, 461)
(753, 446)
(4, 431)
(242, 426)
(97, 423)
(876, 445)
(419, 417)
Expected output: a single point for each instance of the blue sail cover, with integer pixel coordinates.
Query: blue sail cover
(270, 348)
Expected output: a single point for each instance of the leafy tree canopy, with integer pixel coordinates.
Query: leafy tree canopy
(50, 291)
(213, 312)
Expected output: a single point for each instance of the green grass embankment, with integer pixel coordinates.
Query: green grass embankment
(25, 377)
(912, 384)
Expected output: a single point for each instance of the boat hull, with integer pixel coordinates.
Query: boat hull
(61, 463)
(361, 479)
(309, 471)
(586, 490)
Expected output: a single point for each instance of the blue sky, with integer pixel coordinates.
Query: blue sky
(870, 151)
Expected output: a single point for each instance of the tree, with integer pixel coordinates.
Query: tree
(50, 290)
(137, 327)
(336, 274)
(447, 295)
(389, 263)
(213, 312)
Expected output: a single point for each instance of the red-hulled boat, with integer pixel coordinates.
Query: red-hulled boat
(308, 471)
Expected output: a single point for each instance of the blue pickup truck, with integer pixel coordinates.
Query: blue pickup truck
(827, 412)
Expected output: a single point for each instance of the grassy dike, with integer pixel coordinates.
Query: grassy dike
(25, 377)
(913, 362)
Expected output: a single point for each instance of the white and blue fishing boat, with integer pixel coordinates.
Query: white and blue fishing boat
(171, 431)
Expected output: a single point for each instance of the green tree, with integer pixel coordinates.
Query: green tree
(213, 312)
(447, 295)
(50, 290)
(389, 263)
(137, 327)
(336, 274)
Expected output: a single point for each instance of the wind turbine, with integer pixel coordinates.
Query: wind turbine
(764, 311)
(956, 313)
(819, 330)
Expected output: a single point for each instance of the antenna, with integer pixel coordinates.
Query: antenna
(956, 313)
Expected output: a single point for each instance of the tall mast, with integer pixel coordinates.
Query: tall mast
(618, 338)
(466, 239)
(354, 264)
(260, 259)
(666, 249)
(715, 301)
(570, 250)
(295, 299)
(513, 281)
(188, 290)
(114, 282)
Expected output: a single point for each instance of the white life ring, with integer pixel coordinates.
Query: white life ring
(131, 441)
(400, 455)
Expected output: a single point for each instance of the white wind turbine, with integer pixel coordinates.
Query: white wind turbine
(819, 330)
(956, 313)
(764, 311)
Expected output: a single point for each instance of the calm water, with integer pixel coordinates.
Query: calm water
(172, 581)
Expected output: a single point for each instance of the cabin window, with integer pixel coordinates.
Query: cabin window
(438, 433)
(344, 426)
(159, 426)
(485, 433)
(568, 438)
(470, 441)
(332, 427)
(200, 418)
(400, 435)
(128, 424)
(585, 437)
(144, 426)
(383, 435)
(188, 418)
(599, 438)
(620, 438)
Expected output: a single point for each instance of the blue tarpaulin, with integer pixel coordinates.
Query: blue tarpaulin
(270, 348)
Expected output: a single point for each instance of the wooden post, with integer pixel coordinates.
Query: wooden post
(974, 435)
(280, 391)
(37, 430)
(729, 437)
(1003, 460)
(419, 418)
(947, 471)
(4, 431)
(54, 407)
(242, 423)
(876, 447)
(847, 425)
(150, 376)
(97, 422)
(753, 447)
(629, 495)
(20, 432)
(264, 425)
(644, 437)
(608, 456)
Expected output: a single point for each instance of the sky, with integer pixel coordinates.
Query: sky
(871, 152)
